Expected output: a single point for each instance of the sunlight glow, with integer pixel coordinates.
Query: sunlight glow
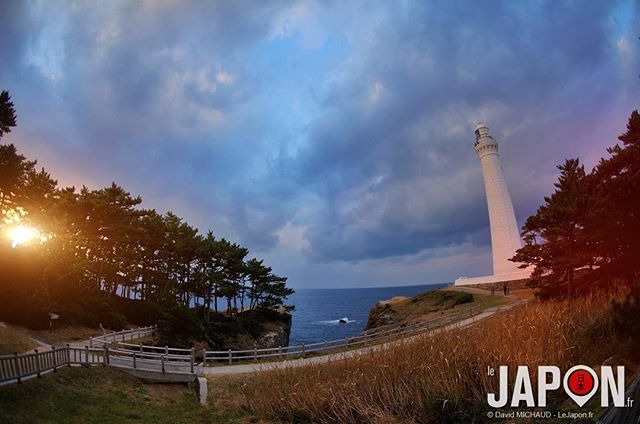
(23, 235)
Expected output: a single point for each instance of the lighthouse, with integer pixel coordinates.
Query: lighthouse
(505, 237)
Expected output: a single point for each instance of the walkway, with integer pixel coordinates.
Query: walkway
(293, 363)
(179, 365)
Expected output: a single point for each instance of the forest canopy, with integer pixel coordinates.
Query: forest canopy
(98, 256)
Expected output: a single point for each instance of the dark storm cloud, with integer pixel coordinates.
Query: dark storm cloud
(510, 64)
(347, 124)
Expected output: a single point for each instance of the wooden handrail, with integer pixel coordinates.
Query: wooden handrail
(121, 336)
(362, 339)
(19, 366)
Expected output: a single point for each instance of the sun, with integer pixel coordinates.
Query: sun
(23, 235)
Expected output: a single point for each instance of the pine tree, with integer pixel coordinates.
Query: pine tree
(554, 237)
(615, 221)
(7, 113)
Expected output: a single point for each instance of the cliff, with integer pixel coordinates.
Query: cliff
(407, 310)
(275, 335)
(251, 329)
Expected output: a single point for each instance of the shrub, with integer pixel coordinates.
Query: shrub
(114, 320)
(179, 326)
(463, 298)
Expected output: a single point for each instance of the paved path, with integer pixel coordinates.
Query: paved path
(475, 290)
(179, 370)
(292, 363)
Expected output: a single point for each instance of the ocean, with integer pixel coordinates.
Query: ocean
(318, 311)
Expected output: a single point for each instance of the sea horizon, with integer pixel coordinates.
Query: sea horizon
(371, 287)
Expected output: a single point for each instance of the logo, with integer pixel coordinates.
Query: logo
(580, 383)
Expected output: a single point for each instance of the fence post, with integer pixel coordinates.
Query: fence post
(17, 367)
(255, 353)
(134, 360)
(280, 352)
(193, 358)
(140, 347)
(55, 359)
(106, 354)
(68, 355)
(162, 362)
(166, 350)
(86, 354)
(230, 356)
(37, 363)
(304, 349)
(326, 345)
(91, 341)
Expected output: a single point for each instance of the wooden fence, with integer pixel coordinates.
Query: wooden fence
(16, 367)
(366, 339)
(111, 350)
(122, 336)
(164, 361)
(25, 365)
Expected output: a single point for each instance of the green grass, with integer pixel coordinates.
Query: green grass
(101, 395)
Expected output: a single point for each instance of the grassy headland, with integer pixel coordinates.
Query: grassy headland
(429, 305)
(442, 377)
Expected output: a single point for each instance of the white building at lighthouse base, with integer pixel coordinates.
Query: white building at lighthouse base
(518, 274)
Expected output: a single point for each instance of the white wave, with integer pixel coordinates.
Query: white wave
(344, 320)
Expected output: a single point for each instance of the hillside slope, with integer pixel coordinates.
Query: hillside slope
(425, 306)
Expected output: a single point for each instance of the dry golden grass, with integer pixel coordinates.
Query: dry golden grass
(71, 333)
(527, 294)
(14, 341)
(440, 377)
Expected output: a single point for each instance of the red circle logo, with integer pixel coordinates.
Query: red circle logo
(581, 382)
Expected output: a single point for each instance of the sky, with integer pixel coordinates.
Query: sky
(333, 139)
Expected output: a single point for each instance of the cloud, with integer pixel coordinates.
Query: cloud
(403, 177)
(225, 77)
(292, 236)
(340, 133)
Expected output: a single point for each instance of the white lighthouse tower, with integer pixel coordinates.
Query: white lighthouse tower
(505, 237)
